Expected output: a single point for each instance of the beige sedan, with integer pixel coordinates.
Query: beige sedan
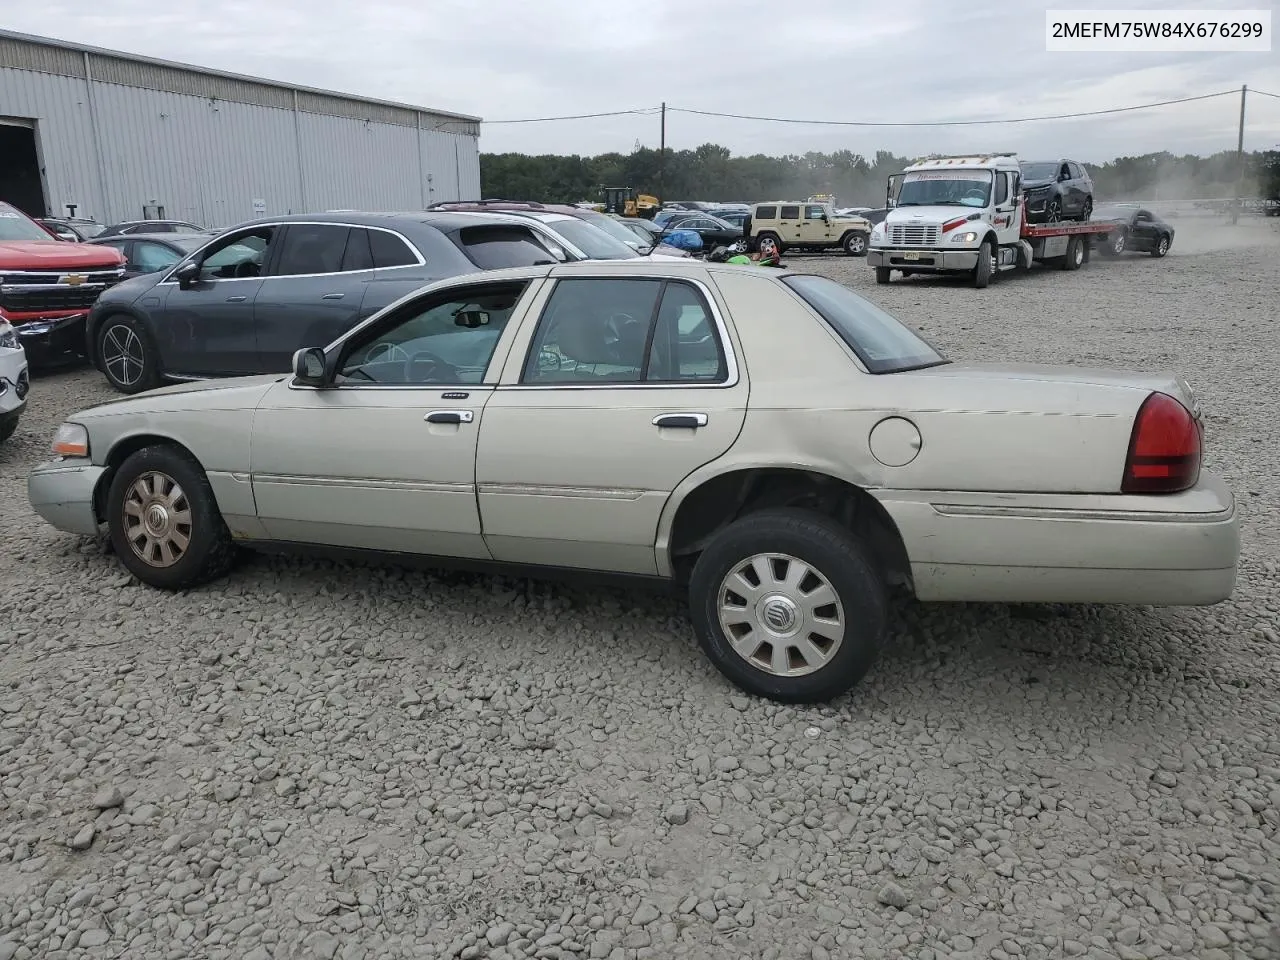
(770, 443)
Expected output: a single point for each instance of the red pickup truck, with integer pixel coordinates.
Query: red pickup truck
(47, 286)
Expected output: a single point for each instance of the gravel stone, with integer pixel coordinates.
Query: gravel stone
(892, 895)
(313, 759)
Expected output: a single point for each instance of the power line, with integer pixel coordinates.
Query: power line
(643, 111)
(1264, 93)
(952, 123)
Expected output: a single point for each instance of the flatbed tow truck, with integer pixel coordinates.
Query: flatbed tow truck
(966, 215)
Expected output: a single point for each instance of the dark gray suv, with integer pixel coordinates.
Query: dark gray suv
(243, 303)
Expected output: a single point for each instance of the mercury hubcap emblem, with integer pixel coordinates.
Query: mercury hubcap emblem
(157, 519)
(779, 615)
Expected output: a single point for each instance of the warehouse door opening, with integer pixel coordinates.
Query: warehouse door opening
(20, 180)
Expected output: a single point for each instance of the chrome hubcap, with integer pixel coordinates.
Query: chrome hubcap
(780, 615)
(122, 354)
(157, 520)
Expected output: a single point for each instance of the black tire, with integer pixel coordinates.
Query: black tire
(882, 275)
(1115, 244)
(1162, 246)
(772, 238)
(1053, 210)
(7, 427)
(127, 354)
(855, 243)
(1074, 257)
(1087, 210)
(982, 272)
(209, 552)
(838, 558)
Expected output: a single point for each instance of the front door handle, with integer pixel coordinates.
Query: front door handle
(236, 299)
(449, 416)
(687, 421)
(333, 296)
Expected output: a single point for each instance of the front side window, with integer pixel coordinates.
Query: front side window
(613, 331)
(881, 342)
(311, 248)
(813, 212)
(1002, 188)
(150, 257)
(441, 339)
(242, 255)
(946, 188)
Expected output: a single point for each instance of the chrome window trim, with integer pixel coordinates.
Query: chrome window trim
(413, 248)
(732, 375)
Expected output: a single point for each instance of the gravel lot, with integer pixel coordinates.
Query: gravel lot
(323, 760)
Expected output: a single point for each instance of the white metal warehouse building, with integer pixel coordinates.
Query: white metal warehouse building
(123, 137)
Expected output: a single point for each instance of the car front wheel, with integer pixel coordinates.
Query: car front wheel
(1161, 247)
(127, 354)
(164, 522)
(788, 605)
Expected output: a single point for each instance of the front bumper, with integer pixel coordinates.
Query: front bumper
(51, 339)
(909, 258)
(15, 383)
(62, 492)
(1177, 549)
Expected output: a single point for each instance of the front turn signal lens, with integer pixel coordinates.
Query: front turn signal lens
(71, 440)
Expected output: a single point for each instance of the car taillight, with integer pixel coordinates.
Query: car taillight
(1164, 449)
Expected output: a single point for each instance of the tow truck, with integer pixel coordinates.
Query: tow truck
(966, 214)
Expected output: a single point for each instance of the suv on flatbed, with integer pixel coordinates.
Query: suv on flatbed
(810, 225)
(47, 286)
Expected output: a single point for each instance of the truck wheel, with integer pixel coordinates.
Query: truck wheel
(882, 275)
(768, 243)
(982, 272)
(1161, 247)
(1075, 254)
(854, 243)
(789, 605)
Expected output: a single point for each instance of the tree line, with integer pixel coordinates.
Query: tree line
(711, 172)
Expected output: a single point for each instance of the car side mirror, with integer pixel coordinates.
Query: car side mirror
(187, 274)
(309, 367)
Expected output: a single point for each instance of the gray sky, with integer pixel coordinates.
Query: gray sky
(817, 59)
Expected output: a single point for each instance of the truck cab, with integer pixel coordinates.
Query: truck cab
(952, 215)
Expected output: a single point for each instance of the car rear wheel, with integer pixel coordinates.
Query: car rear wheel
(164, 522)
(855, 243)
(788, 605)
(127, 355)
(1161, 247)
(1115, 244)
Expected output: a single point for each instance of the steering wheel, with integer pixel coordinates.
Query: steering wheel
(977, 193)
(245, 268)
(386, 352)
(442, 371)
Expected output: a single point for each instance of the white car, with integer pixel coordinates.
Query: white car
(14, 382)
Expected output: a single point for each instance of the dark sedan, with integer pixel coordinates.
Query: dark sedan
(72, 229)
(150, 252)
(151, 226)
(247, 300)
(1137, 229)
(713, 231)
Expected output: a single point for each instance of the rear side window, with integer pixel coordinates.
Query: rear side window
(882, 343)
(358, 256)
(789, 213)
(495, 247)
(311, 248)
(389, 250)
(766, 213)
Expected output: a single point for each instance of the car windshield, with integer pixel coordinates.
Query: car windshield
(15, 225)
(591, 240)
(1039, 171)
(189, 242)
(613, 228)
(882, 343)
(945, 188)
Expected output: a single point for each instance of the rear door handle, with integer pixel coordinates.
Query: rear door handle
(449, 416)
(688, 421)
(333, 296)
(236, 299)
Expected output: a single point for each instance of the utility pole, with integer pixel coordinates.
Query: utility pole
(662, 153)
(1235, 212)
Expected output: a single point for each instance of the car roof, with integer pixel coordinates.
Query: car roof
(441, 220)
(173, 238)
